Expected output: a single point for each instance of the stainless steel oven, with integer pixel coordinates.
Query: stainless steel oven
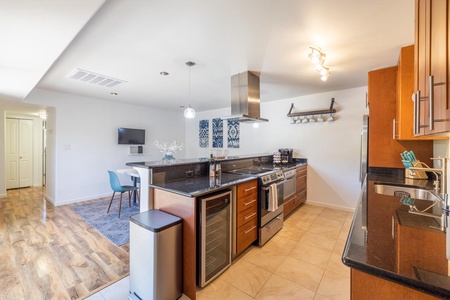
(271, 206)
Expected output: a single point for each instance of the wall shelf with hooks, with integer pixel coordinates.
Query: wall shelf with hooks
(331, 110)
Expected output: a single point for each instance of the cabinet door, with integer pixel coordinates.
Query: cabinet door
(383, 150)
(432, 106)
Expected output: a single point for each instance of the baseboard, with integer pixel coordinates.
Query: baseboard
(316, 203)
(79, 200)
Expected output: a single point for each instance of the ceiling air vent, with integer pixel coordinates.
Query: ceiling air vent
(94, 78)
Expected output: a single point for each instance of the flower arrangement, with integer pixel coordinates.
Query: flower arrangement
(168, 149)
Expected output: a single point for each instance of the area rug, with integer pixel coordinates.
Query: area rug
(108, 224)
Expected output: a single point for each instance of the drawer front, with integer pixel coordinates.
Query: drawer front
(300, 171)
(247, 188)
(246, 216)
(246, 202)
(299, 186)
(246, 235)
(301, 197)
(289, 207)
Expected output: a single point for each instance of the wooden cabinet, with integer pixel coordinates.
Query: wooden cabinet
(368, 287)
(384, 151)
(431, 104)
(420, 249)
(246, 215)
(299, 197)
(404, 120)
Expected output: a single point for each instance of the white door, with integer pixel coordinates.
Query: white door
(19, 155)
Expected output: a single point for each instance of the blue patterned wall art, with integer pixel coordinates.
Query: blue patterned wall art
(203, 133)
(233, 134)
(217, 133)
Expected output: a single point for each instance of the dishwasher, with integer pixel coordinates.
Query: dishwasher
(214, 238)
(289, 183)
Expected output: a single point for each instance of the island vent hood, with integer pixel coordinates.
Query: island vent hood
(245, 98)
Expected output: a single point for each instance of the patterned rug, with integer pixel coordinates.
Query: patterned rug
(115, 229)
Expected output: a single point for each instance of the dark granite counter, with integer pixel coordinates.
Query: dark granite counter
(387, 241)
(194, 187)
(188, 161)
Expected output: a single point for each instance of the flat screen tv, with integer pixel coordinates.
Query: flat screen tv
(130, 136)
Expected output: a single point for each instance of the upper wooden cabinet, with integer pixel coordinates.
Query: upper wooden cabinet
(404, 120)
(431, 103)
(383, 150)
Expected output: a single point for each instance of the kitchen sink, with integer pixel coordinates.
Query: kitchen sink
(405, 191)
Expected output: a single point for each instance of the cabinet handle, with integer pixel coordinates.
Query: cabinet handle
(248, 203)
(416, 117)
(249, 216)
(251, 229)
(392, 228)
(431, 102)
(252, 188)
(393, 129)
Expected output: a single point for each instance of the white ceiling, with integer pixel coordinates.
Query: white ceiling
(134, 40)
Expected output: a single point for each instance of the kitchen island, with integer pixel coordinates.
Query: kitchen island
(392, 253)
(175, 186)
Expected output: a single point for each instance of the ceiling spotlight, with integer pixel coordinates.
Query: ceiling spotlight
(325, 76)
(114, 94)
(164, 73)
(316, 56)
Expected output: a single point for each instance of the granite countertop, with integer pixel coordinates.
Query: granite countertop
(197, 186)
(410, 252)
(160, 163)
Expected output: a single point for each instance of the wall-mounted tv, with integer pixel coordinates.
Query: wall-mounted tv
(130, 136)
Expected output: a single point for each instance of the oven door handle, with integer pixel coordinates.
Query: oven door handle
(266, 188)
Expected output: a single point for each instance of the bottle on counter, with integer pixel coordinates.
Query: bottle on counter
(218, 169)
(212, 167)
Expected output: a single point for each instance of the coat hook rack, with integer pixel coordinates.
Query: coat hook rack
(331, 110)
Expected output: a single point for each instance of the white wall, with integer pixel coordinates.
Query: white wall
(82, 142)
(332, 148)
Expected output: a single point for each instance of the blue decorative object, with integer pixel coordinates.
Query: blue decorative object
(203, 133)
(233, 134)
(217, 131)
(168, 157)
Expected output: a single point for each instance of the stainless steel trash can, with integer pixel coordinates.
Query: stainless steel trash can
(155, 256)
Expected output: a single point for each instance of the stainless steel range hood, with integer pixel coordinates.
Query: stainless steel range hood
(245, 98)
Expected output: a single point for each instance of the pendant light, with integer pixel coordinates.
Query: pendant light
(189, 113)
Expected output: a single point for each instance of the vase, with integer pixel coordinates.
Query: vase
(168, 157)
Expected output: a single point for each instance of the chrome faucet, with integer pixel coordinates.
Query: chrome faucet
(440, 189)
(440, 192)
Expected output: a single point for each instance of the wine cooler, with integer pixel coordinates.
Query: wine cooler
(214, 237)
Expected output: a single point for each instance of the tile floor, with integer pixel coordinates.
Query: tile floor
(303, 261)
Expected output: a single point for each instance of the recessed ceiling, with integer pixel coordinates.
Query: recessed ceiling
(135, 41)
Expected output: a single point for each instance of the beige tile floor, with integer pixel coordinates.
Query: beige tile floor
(303, 261)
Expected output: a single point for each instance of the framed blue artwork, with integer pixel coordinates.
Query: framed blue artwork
(203, 133)
(217, 133)
(233, 134)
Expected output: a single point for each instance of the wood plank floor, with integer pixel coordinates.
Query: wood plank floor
(48, 252)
